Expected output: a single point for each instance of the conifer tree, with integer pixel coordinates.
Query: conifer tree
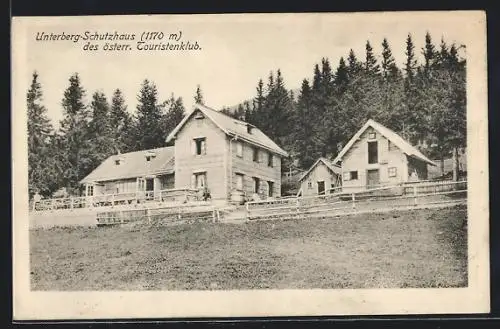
(341, 76)
(248, 112)
(389, 68)
(371, 65)
(258, 105)
(354, 65)
(277, 105)
(411, 61)
(240, 112)
(100, 131)
(429, 52)
(121, 123)
(40, 164)
(198, 97)
(148, 131)
(175, 112)
(303, 130)
(77, 148)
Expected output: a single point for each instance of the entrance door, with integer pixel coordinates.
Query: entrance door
(372, 178)
(149, 188)
(321, 187)
(149, 184)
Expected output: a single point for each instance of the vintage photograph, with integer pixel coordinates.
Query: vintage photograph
(256, 152)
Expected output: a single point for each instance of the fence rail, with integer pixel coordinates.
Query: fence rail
(395, 196)
(165, 215)
(106, 200)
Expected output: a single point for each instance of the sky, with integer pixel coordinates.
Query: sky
(236, 51)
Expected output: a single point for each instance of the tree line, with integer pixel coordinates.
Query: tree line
(425, 102)
(89, 132)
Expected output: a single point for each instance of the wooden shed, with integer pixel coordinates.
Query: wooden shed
(321, 178)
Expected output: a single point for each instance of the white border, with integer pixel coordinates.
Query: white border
(28, 305)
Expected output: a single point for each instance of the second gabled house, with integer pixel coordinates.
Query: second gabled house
(228, 156)
(377, 156)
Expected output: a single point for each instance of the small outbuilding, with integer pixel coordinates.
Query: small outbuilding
(321, 178)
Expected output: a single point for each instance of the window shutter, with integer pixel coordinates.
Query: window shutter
(204, 151)
(193, 181)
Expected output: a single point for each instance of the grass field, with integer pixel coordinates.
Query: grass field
(424, 248)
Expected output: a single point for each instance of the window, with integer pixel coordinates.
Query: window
(350, 175)
(200, 180)
(270, 186)
(148, 158)
(200, 146)
(372, 152)
(309, 185)
(372, 135)
(239, 149)
(239, 182)
(90, 190)
(249, 129)
(256, 185)
(255, 155)
(269, 159)
(117, 162)
(141, 184)
(393, 172)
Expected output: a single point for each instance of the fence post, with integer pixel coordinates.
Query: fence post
(414, 195)
(71, 203)
(148, 215)
(353, 201)
(247, 210)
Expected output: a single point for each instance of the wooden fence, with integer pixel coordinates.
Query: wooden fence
(107, 200)
(160, 215)
(335, 204)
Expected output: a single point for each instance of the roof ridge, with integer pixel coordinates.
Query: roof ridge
(146, 150)
(220, 112)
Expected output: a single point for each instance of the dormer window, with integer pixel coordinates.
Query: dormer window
(150, 155)
(117, 162)
(199, 116)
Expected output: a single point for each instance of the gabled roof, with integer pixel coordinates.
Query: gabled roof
(336, 169)
(231, 127)
(405, 147)
(133, 164)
